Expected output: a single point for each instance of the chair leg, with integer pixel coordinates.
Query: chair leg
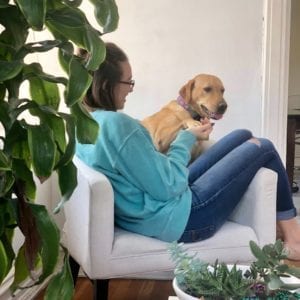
(74, 269)
(101, 289)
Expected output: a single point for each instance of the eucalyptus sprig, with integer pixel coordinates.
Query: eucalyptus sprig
(262, 280)
(270, 266)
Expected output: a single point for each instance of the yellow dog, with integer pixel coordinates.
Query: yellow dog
(201, 97)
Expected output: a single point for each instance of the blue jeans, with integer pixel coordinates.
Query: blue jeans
(220, 176)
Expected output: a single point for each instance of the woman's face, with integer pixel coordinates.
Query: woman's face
(123, 88)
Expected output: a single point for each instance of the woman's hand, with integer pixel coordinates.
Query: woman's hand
(201, 130)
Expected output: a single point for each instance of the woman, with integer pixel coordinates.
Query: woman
(160, 195)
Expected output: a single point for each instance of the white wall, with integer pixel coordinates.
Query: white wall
(294, 71)
(170, 41)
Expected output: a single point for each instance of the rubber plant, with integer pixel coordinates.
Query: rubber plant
(29, 151)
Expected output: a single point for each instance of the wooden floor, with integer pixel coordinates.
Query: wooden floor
(125, 290)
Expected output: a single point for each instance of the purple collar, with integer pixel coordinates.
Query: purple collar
(182, 103)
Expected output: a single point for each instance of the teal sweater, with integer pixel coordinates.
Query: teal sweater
(151, 191)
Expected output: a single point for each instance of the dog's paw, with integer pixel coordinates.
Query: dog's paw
(191, 123)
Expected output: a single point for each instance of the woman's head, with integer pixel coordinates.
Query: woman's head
(111, 82)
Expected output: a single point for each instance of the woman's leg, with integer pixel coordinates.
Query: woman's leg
(284, 193)
(216, 152)
(287, 224)
(219, 188)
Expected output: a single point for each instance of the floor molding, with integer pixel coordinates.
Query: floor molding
(27, 293)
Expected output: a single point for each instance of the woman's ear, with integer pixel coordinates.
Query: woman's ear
(186, 91)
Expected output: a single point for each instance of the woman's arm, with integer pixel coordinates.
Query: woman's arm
(161, 176)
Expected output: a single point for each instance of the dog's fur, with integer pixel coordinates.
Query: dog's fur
(201, 97)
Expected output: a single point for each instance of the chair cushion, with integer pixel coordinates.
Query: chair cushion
(131, 256)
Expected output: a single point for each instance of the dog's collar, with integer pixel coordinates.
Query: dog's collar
(187, 107)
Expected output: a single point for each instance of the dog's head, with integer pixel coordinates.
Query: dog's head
(204, 94)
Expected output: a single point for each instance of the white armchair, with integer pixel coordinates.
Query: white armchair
(105, 251)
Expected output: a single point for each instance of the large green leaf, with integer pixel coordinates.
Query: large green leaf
(4, 114)
(3, 262)
(7, 254)
(97, 50)
(43, 87)
(65, 54)
(44, 92)
(6, 175)
(57, 125)
(73, 25)
(2, 92)
(6, 233)
(5, 164)
(21, 271)
(50, 237)
(16, 27)
(68, 154)
(9, 69)
(42, 149)
(34, 12)
(16, 142)
(106, 13)
(10, 254)
(6, 182)
(79, 82)
(61, 285)
(67, 178)
(87, 127)
(21, 171)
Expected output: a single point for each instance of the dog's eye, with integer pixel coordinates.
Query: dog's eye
(207, 89)
(222, 91)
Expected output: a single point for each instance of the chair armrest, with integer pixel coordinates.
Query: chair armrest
(257, 208)
(89, 226)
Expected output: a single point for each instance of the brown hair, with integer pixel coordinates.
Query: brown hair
(105, 78)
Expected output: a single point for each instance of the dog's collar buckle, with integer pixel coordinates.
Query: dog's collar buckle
(182, 103)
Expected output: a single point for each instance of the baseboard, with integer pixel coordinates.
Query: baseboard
(21, 294)
(28, 293)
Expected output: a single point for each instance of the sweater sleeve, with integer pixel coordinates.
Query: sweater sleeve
(161, 176)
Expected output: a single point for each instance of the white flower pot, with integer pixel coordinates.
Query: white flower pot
(180, 293)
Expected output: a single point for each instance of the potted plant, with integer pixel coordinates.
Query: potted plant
(28, 150)
(268, 277)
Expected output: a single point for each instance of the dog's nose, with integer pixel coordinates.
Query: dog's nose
(222, 107)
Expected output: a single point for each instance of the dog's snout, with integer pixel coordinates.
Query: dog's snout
(222, 107)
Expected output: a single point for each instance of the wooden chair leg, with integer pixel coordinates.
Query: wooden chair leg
(74, 269)
(101, 289)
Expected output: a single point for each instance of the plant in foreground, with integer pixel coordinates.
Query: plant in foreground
(264, 279)
(37, 149)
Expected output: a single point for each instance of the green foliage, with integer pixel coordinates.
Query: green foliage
(29, 151)
(262, 280)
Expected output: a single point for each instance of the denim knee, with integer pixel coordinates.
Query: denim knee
(242, 133)
(267, 144)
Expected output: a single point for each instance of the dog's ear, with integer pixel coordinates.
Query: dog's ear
(186, 91)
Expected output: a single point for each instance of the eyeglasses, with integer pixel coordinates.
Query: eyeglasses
(130, 82)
